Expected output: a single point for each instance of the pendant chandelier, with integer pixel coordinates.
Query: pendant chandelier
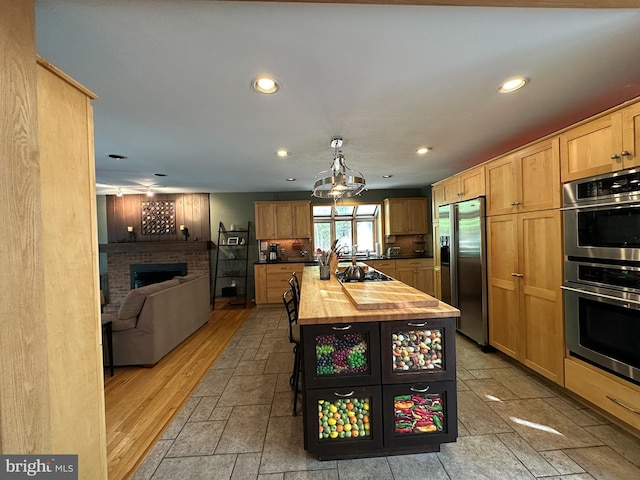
(339, 181)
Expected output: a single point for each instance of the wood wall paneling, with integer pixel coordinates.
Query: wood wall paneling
(191, 210)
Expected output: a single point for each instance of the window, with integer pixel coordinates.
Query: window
(355, 225)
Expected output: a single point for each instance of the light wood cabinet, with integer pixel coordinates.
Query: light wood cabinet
(301, 213)
(260, 278)
(388, 267)
(70, 280)
(417, 272)
(464, 185)
(406, 216)
(524, 181)
(272, 280)
(437, 199)
(282, 220)
(265, 220)
(612, 394)
(606, 144)
(525, 300)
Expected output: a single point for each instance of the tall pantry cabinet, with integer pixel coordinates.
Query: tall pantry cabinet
(524, 242)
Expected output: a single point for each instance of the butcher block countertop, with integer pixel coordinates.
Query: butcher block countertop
(326, 301)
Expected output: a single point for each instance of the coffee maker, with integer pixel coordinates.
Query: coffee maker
(274, 256)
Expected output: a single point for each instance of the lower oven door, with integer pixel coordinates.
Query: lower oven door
(603, 329)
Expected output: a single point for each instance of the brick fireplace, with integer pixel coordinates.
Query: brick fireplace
(144, 231)
(197, 256)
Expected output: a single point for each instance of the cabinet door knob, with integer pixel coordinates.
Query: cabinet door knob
(625, 153)
(516, 203)
(615, 156)
(516, 275)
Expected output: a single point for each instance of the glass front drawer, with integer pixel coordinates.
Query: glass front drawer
(343, 421)
(419, 413)
(341, 354)
(418, 350)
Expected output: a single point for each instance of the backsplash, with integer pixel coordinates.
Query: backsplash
(299, 249)
(412, 244)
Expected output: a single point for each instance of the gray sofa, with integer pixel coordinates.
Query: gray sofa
(154, 319)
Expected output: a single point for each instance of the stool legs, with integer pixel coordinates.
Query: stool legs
(294, 380)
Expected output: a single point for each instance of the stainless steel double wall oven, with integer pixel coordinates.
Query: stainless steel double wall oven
(602, 271)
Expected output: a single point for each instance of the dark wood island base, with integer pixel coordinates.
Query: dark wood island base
(376, 382)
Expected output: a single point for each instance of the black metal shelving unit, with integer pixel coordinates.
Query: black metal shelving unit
(232, 265)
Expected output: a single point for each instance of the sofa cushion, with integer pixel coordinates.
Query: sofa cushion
(134, 300)
(188, 278)
(118, 325)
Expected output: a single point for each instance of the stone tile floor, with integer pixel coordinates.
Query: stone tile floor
(512, 425)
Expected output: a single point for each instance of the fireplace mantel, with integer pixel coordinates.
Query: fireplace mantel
(133, 247)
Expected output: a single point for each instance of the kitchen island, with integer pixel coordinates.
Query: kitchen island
(379, 379)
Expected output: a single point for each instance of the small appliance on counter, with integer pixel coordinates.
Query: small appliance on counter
(393, 251)
(274, 252)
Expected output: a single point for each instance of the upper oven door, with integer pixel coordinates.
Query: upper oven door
(607, 231)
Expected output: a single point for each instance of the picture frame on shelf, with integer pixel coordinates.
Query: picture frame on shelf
(233, 241)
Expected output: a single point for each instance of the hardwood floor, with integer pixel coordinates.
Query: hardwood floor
(140, 402)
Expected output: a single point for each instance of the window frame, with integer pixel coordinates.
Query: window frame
(376, 220)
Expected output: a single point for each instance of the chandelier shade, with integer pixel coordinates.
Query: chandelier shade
(339, 181)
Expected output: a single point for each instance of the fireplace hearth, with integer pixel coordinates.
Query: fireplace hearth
(142, 274)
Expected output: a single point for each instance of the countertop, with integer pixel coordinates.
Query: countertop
(325, 301)
(345, 259)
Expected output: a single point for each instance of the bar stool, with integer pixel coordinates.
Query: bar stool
(289, 298)
(296, 283)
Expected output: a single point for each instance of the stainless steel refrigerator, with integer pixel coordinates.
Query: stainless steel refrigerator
(464, 266)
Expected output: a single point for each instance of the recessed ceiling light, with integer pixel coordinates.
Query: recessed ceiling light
(423, 150)
(387, 176)
(266, 84)
(291, 179)
(117, 156)
(512, 85)
(282, 153)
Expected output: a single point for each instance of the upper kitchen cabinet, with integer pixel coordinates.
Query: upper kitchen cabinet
(282, 220)
(465, 185)
(265, 220)
(525, 181)
(301, 213)
(406, 216)
(604, 145)
(437, 199)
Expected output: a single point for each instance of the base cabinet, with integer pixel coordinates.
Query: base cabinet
(272, 280)
(388, 267)
(612, 394)
(369, 390)
(417, 273)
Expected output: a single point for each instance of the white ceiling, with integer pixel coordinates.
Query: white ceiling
(173, 81)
